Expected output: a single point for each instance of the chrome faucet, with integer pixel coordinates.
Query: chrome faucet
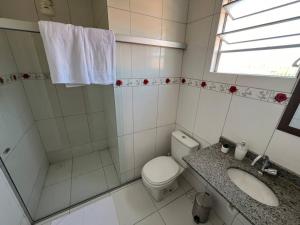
(266, 163)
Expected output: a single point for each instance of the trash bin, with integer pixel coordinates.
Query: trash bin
(202, 206)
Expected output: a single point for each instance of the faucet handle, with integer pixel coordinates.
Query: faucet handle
(256, 159)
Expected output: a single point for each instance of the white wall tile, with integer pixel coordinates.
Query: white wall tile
(53, 134)
(173, 31)
(71, 100)
(284, 150)
(200, 9)
(211, 114)
(93, 96)
(194, 57)
(176, 10)
(199, 32)
(124, 110)
(145, 26)
(145, 107)
(7, 62)
(272, 83)
(43, 99)
(119, 21)
(170, 62)
(167, 104)
(15, 114)
(9, 10)
(163, 140)
(123, 60)
(145, 61)
(151, 8)
(78, 130)
(252, 121)
(24, 51)
(126, 154)
(193, 61)
(81, 12)
(10, 210)
(144, 147)
(120, 4)
(97, 126)
(187, 107)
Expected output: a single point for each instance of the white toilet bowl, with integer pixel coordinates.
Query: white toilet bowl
(160, 175)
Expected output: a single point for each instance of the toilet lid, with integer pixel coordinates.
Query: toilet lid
(160, 170)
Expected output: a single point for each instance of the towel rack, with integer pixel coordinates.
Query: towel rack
(19, 25)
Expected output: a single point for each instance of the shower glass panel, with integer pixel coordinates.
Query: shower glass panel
(58, 144)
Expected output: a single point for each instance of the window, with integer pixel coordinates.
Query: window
(259, 37)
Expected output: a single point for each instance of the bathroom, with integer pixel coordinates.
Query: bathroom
(192, 77)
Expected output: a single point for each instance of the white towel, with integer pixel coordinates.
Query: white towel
(100, 46)
(77, 55)
(64, 46)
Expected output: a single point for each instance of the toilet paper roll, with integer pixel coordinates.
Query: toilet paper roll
(225, 148)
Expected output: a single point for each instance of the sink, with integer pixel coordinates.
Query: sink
(252, 187)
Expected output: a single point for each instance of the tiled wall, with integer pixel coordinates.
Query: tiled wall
(251, 114)
(70, 120)
(90, 13)
(146, 114)
(26, 161)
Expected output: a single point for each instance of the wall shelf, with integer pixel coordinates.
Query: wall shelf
(19, 25)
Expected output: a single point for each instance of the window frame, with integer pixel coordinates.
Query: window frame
(215, 60)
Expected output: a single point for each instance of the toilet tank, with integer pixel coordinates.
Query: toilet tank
(182, 145)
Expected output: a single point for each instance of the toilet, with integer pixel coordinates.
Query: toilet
(160, 174)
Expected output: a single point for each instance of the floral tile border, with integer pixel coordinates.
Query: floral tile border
(10, 78)
(242, 91)
(135, 82)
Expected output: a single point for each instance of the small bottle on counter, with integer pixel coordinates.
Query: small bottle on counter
(240, 151)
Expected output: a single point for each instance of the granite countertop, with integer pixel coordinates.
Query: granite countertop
(211, 164)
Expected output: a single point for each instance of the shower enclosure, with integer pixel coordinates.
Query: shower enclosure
(57, 143)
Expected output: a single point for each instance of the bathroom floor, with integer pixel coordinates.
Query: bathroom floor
(77, 179)
(134, 206)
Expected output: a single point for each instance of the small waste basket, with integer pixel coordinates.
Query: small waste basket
(202, 206)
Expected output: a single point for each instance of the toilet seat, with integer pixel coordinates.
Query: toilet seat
(161, 170)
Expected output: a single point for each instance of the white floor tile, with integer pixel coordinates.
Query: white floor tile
(102, 212)
(133, 204)
(179, 212)
(214, 219)
(153, 219)
(111, 176)
(170, 197)
(58, 172)
(85, 164)
(88, 185)
(191, 194)
(54, 198)
(106, 158)
(184, 184)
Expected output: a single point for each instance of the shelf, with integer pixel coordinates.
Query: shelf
(19, 25)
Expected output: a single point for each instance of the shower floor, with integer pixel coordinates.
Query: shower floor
(71, 181)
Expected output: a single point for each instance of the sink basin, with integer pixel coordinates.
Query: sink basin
(253, 187)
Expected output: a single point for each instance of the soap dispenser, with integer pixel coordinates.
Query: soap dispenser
(240, 151)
